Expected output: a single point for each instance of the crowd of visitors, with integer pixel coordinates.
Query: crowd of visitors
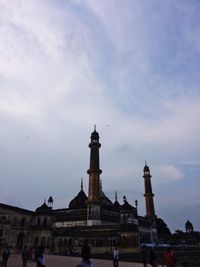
(37, 255)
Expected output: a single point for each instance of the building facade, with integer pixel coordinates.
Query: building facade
(94, 217)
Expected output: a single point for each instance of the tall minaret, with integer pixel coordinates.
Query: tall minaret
(150, 212)
(93, 206)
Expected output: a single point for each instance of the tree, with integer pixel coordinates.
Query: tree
(162, 228)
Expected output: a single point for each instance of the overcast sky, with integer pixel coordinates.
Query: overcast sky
(131, 68)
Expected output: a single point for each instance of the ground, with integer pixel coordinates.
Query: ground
(65, 261)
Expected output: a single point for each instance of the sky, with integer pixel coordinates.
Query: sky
(132, 68)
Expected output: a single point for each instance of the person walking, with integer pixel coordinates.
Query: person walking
(153, 258)
(144, 256)
(169, 259)
(85, 253)
(116, 257)
(40, 260)
(24, 256)
(5, 256)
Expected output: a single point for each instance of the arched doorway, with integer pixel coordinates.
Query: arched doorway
(20, 240)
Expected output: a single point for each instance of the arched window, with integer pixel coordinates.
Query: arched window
(38, 221)
(23, 222)
(36, 241)
(124, 218)
(43, 241)
(45, 222)
(60, 243)
(15, 221)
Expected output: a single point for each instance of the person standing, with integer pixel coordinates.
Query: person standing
(85, 253)
(30, 254)
(144, 256)
(116, 257)
(40, 260)
(24, 256)
(153, 258)
(169, 258)
(5, 256)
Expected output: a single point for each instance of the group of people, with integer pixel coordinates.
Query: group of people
(5, 256)
(38, 257)
(168, 258)
(26, 255)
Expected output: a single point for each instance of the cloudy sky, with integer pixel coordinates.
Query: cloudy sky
(131, 68)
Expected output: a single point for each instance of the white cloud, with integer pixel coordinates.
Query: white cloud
(67, 65)
(167, 173)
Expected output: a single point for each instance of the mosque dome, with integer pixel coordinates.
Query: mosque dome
(126, 205)
(79, 202)
(43, 209)
(105, 201)
(117, 205)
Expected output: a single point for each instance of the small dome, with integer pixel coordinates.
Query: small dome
(126, 205)
(79, 202)
(43, 209)
(117, 205)
(105, 201)
(50, 200)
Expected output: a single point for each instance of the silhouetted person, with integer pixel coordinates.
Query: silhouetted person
(5, 256)
(144, 256)
(153, 258)
(24, 256)
(30, 254)
(169, 258)
(116, 257)
(85, 253)
(40, 260)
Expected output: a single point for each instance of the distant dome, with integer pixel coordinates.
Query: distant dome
(79, 202)
(43, 209)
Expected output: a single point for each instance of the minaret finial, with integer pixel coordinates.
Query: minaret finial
(81, 183)
(115, 195)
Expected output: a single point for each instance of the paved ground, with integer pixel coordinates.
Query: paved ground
(65, 261)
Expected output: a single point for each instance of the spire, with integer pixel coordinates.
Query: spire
(95, 128)
(81, 184)
(115, 195)
(148, 194)
(124, 199)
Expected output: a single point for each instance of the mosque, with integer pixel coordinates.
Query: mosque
(93, 217)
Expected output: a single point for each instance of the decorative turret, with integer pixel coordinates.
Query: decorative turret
(94, 189)
(50, 201)
(150, 212)
(116, 203)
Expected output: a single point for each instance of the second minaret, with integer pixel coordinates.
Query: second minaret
(93, 205)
